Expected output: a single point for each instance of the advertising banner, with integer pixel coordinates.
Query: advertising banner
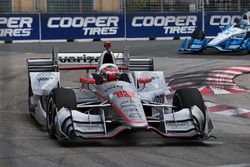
(82, 26)
(162, 24)
(216, 21)
(110, 25)
(19, 27)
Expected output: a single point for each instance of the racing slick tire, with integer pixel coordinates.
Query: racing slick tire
(59, 97)
(188, 97)
(198, 34)
(30, 94)
(248, 43)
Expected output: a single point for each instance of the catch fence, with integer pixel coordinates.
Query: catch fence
(129, 6)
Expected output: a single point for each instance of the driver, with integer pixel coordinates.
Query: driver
(241, 23)
(109, 72)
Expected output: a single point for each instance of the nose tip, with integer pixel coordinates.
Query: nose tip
(139, 125)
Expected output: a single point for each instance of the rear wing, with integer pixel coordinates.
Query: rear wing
(86, 61)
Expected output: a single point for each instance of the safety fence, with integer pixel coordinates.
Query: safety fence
(121, 6)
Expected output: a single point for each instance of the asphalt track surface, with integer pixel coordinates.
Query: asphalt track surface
(23, 143)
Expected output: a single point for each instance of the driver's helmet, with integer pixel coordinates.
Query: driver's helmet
(242, 23)
(109, 72)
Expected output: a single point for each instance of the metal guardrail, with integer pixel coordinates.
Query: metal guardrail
(121, 6)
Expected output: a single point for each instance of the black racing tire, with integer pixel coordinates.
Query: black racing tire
(248, 43)
(50, 117)
(59, 97)
(188, 97)
(30, 94)
(248, 46)
(248, 34)
(198, 34)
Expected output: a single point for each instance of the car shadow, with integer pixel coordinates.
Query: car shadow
(146, 139)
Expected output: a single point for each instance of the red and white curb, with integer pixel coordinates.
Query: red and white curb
(227, 110)
(219, 81)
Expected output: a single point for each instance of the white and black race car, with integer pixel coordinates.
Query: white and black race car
(122, 94)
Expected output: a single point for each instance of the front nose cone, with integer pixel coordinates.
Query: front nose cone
(138, 125)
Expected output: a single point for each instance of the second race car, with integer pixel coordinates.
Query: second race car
(235, 37)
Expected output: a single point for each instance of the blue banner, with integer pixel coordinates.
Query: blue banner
(19, 27)
(110, 25)
(162, 24)
(82, 26)
(216, 21)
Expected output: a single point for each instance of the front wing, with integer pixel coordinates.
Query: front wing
(184, 123)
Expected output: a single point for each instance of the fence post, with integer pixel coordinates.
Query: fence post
(161, 6)
(40, 27)
(239, 7)
(203, 14)
(125, 18)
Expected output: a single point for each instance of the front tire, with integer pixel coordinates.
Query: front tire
(30, 94)
(59, 98)
(50, 117)
(188, 97)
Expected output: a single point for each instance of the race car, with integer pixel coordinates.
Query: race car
(118, 93)
(235, 37)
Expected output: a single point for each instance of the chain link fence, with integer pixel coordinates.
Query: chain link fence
(129, 6)
(5, 6)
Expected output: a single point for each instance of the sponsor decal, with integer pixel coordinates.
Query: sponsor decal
(113, 87)
(171, 24)
(43, 78)
(123, 93)
(90, 127)
(177, 124)
(131, 109)
(215, 22)
(132, 113)
(78, 59)
(90, 25)
(162, 25)
(135, 116)
(15, 26)
(223, 20)
(128, 103)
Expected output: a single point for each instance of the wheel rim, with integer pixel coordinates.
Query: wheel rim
(50, 116)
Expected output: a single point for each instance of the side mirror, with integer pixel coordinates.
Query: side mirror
(87, 80)
(145, 80)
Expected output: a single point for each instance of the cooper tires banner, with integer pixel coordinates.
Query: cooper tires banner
(110, 25)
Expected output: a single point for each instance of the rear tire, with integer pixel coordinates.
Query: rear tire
(59, 97)
(188, 97)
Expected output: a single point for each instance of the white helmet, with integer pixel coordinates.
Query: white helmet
(108, 71)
